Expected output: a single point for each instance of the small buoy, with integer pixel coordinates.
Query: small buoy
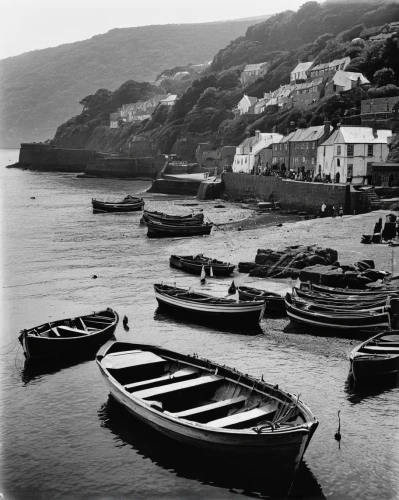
(33, 197)
(94, 277)
(125, 321)
(239, 228)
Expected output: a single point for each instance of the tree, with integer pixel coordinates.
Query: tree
(384, 76)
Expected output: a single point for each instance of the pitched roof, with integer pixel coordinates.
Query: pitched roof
(357, 135)
(249, 141)
(252, 100)
(114, 116)
(350, 75)
(308, 134)
(254, 67)
(302, 66)
(171, 97)
(309, 84)
(331, 64)
(287, 138)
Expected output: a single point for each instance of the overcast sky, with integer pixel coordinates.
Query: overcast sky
(36, 24)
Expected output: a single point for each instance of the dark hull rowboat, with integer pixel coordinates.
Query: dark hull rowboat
(193, 264)
(191, 219)
(341, 320)
(345, 306)
(348, 291)
(66, 338)
(128, 204)
(274, 301)
(378, 356)
(202, 404)
(339, 300)
(160, 230)
(207, 306)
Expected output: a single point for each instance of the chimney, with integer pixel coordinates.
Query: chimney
(257, 132)
(299, 61)
(375, 131)
(339, 125)
(327, 125)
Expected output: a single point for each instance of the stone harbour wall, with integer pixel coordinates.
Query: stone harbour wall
(306, 196)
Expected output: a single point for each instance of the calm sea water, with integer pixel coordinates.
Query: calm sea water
(62, 437)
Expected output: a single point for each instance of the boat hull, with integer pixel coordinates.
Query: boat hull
(159, 230)
(105, 207)
(374, 366)
(226, 313)
(338, 322)
(273, 304)
(287, 444)
(196, 267)
(41, 348)
(286, 447)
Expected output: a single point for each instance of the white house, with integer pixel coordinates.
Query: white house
(253, 71)
(114, 119)
(246, 105)
(347, 155)
(300, 72)
(249, 152)
(346, 80)
(169, 101)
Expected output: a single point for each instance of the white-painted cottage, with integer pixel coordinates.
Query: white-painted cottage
(348, 154)
(246, 105)
(301, 71)
(251, 152)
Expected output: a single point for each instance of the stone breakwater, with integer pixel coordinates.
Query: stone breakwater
(314, 264)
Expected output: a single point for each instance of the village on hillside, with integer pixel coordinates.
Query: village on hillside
(354, 154)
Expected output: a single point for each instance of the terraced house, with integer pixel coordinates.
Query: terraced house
(349, 153)
(298, 151)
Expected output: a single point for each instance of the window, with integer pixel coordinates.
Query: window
(286, 145)
(241, 161)
(312, 161)
(369, 168)
(303, 159)
(313, 145)
(338, 162)
(350, 149)
(370, 151)
(338, 150)
(246, 160)
(350, 170)
(306, 145)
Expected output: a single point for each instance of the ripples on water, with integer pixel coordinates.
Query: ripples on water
(63, 438)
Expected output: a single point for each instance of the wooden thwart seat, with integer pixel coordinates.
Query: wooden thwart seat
(245, 416)
(210, 407)
(181, 375)
(177, 386)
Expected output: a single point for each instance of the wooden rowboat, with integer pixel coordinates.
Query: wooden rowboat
(341, 320)
(347, 291)
(193, 264)
(377, 356)
(203, 404)
(274, 302)
(208, 306)
(128, 204)
(190, 219)
(348, 300)
(66, 338)
(160, 230)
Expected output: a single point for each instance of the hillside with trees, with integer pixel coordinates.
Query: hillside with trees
(316, 32)
(42, 88)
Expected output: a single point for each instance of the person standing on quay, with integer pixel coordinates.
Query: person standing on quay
(323, 209)
(341, 212)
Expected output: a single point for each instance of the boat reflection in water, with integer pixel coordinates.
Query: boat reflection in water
(256, 480)
(33, 371)
(360, 389)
